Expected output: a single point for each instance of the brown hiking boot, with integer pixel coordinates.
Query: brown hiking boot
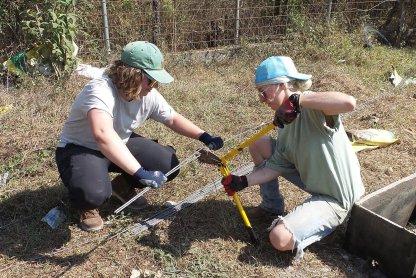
(90, 220)
(124, 192)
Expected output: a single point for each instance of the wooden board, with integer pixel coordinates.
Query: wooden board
(392, 246)
(373, 236)
(395, 202)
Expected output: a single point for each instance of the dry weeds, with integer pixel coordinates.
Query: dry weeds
(207, 239)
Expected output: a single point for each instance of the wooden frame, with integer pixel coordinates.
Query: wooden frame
(376, 229)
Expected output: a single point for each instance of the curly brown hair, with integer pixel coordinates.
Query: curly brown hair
(126, 79)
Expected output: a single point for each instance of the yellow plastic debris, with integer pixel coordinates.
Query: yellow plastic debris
(4, 109)
(11, 67)
(371, 139)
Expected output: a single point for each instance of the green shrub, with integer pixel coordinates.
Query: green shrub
(51, 29)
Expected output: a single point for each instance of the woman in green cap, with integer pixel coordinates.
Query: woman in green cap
(98, 136)
(312, 151)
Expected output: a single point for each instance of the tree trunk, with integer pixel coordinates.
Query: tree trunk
(400, 25)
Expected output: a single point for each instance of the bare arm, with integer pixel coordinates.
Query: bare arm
(261, 176)
(330, 103)
(110, 143)
(183, 126)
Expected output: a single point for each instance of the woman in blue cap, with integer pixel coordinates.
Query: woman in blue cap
(312, 151)
(98, 136)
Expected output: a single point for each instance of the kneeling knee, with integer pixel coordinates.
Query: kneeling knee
(173, 163)
(96, 200)
(281, 238)
(255, 148)
(88, 199)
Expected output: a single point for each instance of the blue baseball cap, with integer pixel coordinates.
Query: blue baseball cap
(278, 69)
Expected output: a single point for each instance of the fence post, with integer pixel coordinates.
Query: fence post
(105, 22)
(328, 11)
(237, 22)
(174, 28)
(156, 21)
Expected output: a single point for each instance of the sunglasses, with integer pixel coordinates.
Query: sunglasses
(263, 96)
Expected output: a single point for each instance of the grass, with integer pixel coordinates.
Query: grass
(207, 239)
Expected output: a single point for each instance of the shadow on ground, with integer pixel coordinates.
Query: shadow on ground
(22, 233)
(215, 219)
(331, 251)
(25, 237)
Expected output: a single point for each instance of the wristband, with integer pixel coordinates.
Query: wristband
(241, 184)
(205, 138)
(139, 173)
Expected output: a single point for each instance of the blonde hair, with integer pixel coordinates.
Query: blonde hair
(126, 79)
(301, 85)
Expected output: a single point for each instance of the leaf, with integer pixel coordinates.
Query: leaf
(66, 2)
(53, 15)
(53, 27)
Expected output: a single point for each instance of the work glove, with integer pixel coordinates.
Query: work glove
(213, 143)
(288, 111)
(154, 179)
(234, 183)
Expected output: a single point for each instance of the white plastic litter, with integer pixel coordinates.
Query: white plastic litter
(135, 273)
(368, 139)
(89, 71)
(374, 137)
(170, 203)
(4, 178)
(54, 217)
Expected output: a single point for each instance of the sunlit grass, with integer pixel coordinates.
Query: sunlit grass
(207, 239)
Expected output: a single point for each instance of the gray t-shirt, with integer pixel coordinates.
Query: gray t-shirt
(127, 116)
(322, 155)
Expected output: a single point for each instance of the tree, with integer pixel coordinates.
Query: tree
(400, 26)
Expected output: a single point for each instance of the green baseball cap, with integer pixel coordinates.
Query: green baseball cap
(146, 56)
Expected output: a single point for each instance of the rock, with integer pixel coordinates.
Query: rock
(345, 256)
(389, 171)
(135, 273)
(372, 119)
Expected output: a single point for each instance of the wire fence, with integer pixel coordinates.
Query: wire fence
(179, 25)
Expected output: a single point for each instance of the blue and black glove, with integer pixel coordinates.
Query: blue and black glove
(213, 143)
(154, 179)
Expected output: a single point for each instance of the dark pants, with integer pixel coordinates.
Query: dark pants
(85, 171)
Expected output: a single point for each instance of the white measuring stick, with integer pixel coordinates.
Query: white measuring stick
(191, 158)
(126, 204)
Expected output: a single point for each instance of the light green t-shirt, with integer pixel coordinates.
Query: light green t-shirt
(322, 155)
